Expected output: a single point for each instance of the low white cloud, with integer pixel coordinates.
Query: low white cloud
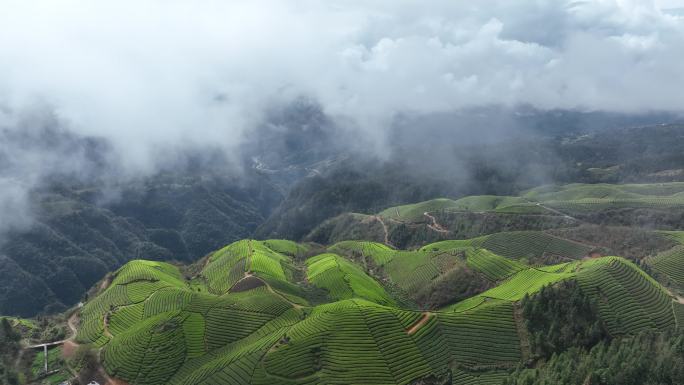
(154, 75)
(14, 205)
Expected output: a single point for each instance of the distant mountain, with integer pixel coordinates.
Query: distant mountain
(506, 164)
(505, 304)
(298, 173)
(75, 239)
(88, 217)
(604, 210)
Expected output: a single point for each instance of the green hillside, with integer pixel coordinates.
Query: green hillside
(344, 280)
(531, 246)
(478, 263)
(483, 203)
(247, 317)
(541, 209)
(545, 199)
(495, 288)
(80, 235)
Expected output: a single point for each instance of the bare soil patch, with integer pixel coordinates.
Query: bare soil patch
(247, 283)
(69, 348)
(420, 323)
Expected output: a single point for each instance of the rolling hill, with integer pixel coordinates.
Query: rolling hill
(543, 286)
(76, 238)
(543, 208)
(253, 313)
(299, 179)
(579, 152)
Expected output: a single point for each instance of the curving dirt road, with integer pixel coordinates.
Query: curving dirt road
(384, 228)
(539, 204)
(420, 323)
(434, 225)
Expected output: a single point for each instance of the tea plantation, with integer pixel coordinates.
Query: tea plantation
(250, 312)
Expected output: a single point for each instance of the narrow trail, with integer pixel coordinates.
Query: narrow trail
(102, 372)
(71, 324)
(384, 228)
(206, 262)
(250, 251)
(48, 344)
(246, 276)
(19, 357)
(675, 297)
(105, 324)
(70, 339)
(539, 204)
(435, 226)
(72, 328)
(524, 336)
(105, 283)
(294, 305)
(422, 321)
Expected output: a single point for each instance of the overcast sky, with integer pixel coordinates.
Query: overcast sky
(154, 76)
(670, 3)
(158, 74)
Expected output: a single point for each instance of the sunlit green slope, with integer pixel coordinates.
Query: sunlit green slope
(249, 316)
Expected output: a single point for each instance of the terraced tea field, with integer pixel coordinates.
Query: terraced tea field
(344, 280)
(533, 245)
(562, 201)
(483, 203)
(669, 265)
(267, 312)
(246, 317)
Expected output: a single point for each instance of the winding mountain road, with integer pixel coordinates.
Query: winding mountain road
(384, 228)
(434, 225)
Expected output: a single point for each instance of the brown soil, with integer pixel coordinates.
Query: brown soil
(68, 349)
(434, 225)
(105, 379)
(246, 283)
(419, 324)
(384, 228)
(71, 322)
(105, 283)
(595, 254)
(115, 381)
